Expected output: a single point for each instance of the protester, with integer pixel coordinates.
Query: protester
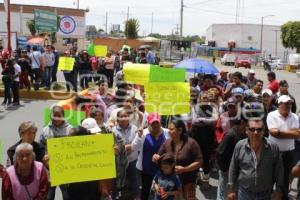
(236, 83)
(24, 63)
(204, 119)
(166, 183)
(283, 127)
(49, 65)
(58, 127)
(257, 89)
(109, 68)
(127, 131)
(224, 154)
(136, 117)
(255, 167)
(89, 190)
(268, 107)
(27, 133)
(26, 179)
(55, 66)
(7, 79)
(284, 90)
(227, 119)
(69, 76)
(188, 157)
(16, 83)
(251, 80)
(148, 145)
(84, 69)
(103, 93)
(222, 81)
(37, 66)
(273, 83)
(150, 57)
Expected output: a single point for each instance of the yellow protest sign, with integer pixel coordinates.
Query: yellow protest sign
(66, 63)
(167, 98)
(100, 50)
(81, 158)
(136, 73)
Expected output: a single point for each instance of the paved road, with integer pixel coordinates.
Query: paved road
(33, 110)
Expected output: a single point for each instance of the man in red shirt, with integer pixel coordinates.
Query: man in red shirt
(273, 83)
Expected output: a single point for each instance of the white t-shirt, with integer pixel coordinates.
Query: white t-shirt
(275, 120)
(17, 70)
(35, 59)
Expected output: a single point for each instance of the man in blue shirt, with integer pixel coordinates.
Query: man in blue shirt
(150, 57)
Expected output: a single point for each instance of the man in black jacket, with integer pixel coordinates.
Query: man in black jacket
(225, 151)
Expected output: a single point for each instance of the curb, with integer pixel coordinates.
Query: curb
(42, 94)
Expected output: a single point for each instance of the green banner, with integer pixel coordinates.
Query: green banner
(73, 117)
(160, 74)
(45, 21)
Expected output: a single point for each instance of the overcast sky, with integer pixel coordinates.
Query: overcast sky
(198, 14)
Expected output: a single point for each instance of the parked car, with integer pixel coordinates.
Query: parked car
(243, 61)
(276, 63)
(228, 59)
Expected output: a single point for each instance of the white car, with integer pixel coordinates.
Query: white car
(276, 63)
(228, 59)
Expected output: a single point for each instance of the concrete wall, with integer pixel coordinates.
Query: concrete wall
(246, 36)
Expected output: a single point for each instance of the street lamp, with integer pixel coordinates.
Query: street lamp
(261, 31)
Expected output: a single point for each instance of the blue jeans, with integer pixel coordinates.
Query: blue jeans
(7, 88)
(84, 76)
(222, 186)
(69, 77)
(132, 179)
(244, 194)
(47, 76)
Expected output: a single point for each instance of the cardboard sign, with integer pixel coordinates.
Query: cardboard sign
(136, 73)
(160, 74)
(167, 98)
(71, 116)
(81, 158)
(66, 64)
(100, 50)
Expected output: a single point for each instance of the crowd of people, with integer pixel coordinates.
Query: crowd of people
(35, 68)
(247, 129)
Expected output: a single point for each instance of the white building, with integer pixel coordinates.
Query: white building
(248, 36)
(72, 27)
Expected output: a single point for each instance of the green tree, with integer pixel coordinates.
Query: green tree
(290, 35)
(132, 28)
(31, 26)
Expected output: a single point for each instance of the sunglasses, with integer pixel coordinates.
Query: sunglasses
(258, 130)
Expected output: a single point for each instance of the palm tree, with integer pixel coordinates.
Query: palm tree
(132, 28)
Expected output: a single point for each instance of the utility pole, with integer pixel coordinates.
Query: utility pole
(152, 23)
(177, 29)
(106, 23)
(8, 27)
(181, 18)
(276, 40)
(78, 4)
(261, 34)
(128, 13)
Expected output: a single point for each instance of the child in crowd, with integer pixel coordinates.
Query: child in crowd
(166, 183)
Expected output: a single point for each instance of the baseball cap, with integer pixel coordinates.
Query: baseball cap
(223, 72)
(91, 125)
(251, 71)
(238, 91)
(267, 91)
(153, 117)
(284, 99)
